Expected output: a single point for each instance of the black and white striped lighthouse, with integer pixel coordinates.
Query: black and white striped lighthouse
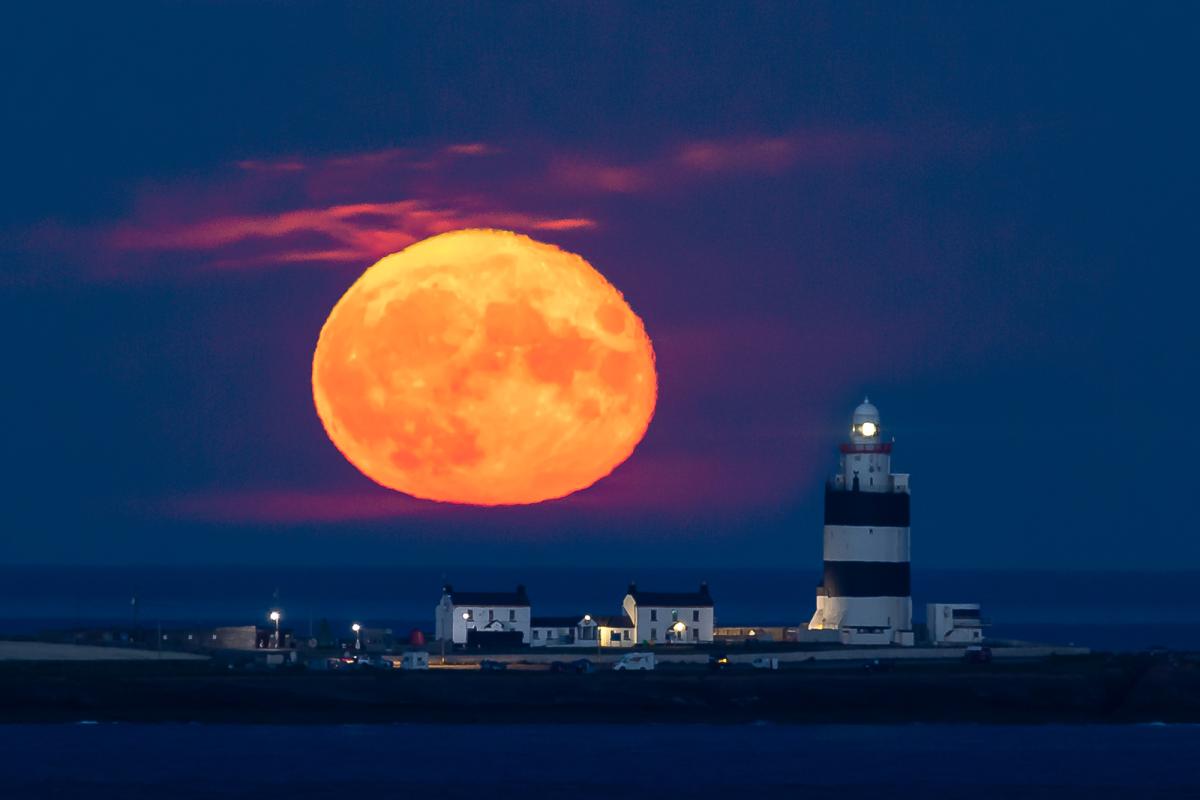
(865, 593)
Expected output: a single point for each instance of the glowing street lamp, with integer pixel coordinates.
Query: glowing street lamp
(275, 617)
(357, 635)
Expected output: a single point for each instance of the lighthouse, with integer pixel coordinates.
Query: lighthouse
(865, 591)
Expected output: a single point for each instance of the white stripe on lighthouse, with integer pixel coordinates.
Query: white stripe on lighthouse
(866, 543)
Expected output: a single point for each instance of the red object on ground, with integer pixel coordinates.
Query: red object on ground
(415, 637)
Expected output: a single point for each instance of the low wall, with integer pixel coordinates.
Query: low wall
(665, 655)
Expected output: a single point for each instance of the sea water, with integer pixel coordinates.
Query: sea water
(931, 762)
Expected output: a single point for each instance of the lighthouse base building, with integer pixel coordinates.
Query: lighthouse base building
(865, 593)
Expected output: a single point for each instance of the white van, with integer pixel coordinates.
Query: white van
(632, 661)
(765, 662)
(414, 659)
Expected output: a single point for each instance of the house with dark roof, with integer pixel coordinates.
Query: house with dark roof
(480, 618)
(670, 617)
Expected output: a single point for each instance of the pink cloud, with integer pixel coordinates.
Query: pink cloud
(358, 232)
(290, 506)
(354, 208)
(773, 154)
(470, 149)
(593, 176)
(711, 159)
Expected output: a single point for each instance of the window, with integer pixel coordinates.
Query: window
(654, 615)
(653, 634)
(512, 615)
(491, 614)
(696, 615)
(469, 614)
(695, 634)
(537, 634)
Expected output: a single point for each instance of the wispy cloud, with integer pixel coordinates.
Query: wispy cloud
(352, 232)
(693, 160)
(353, 208)
(289, 506)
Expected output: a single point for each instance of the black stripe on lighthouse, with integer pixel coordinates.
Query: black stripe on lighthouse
(880, 509)
(867, 579)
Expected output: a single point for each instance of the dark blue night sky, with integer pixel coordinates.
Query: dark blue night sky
(983, 216)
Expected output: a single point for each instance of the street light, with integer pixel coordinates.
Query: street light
(357, 635)
(275, 617)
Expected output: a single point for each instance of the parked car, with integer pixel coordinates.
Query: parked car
(978, 654)
(488, 665)
(635, 661)
(765, 662)
(718, 661)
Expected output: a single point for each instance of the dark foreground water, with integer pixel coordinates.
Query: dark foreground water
(1103, 610)
(601, 761)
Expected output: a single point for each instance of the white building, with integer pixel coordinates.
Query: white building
(670, 617)
(469, 617)
(582, 631)
(954, 623)
(865, 593)
(618, 631)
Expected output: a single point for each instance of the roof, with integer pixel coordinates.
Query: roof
(866, 412)
(699, 599)
(555, 622)
(621, 621)
(517, 598)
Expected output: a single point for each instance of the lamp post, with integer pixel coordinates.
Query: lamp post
(357, 635)
(275, 617)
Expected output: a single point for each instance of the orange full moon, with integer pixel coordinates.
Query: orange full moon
(484, 367)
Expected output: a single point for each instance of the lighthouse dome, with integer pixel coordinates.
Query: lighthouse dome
(866, 412)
